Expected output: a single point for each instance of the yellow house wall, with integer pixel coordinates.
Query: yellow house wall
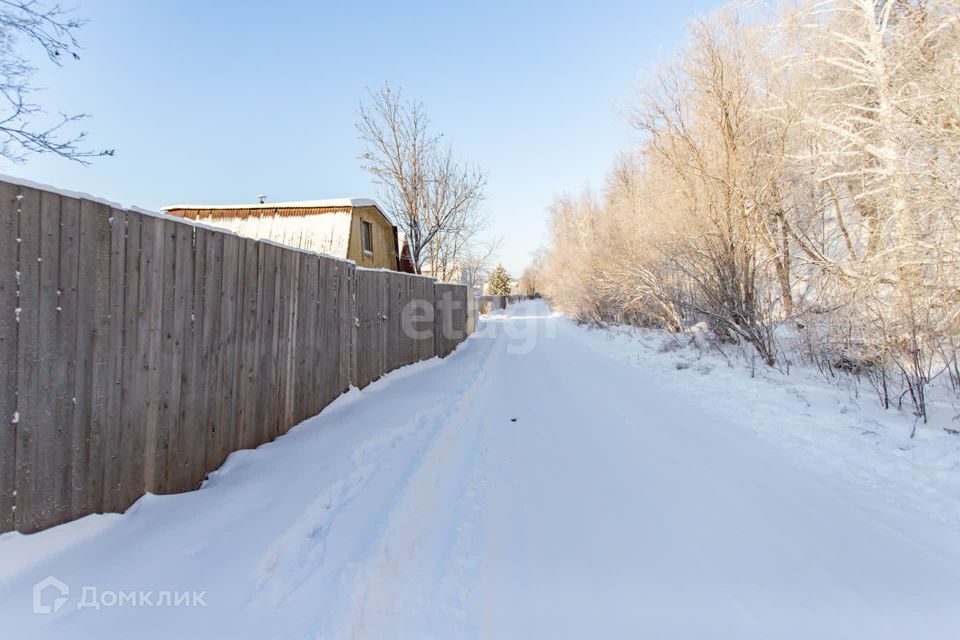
(384, 249)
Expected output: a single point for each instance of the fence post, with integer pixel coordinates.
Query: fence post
(354, 327)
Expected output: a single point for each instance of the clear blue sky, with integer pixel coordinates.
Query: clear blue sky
(220, 101)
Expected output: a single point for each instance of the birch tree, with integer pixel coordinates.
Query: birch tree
(881, 108)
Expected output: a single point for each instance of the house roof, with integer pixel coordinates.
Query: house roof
(329, 233)
(318, 229)
(322, 226)
(329, 203)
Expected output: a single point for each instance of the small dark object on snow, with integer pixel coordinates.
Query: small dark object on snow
(513, 419)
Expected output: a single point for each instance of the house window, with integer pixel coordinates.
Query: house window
(366, 236)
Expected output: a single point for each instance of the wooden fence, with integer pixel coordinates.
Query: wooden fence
(138, 351)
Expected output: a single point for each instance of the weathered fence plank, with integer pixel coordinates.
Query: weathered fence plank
(30, 481)
(82, 288)
(215, 253)
(57, 345)
(153, 232)
(365, 329)
(322, 360)
(168, 360)
(193, 410)
(328, 357)
(229, 343)
(306, 295)
(95, 250)
(247, 350)
(303, 377)
(133, 376)
(288, 340)
(345, 325)
(263, 322)
(284, 313)
(9, 275)
(112, 487)
(51, 444)
(307, 365)
(177, 340)
(450, 320)
(191, 437)
(424, 291)
(276, 286)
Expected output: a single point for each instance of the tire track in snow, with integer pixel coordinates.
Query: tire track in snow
(299, 551)
(419, 566)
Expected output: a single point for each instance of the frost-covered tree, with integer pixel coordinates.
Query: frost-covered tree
(499, 282)
(800, 169)
(880, 107)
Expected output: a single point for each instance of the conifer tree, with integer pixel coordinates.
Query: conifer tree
(499, 283)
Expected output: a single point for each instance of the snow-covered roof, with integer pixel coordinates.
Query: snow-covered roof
(327, 232)
(302, 204)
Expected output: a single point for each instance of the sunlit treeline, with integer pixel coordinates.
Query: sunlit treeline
(799, 171)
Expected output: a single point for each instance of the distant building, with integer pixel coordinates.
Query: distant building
(466, 273)
(453, 275)
(349, 228)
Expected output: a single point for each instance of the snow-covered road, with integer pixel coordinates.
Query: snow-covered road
(526, 487)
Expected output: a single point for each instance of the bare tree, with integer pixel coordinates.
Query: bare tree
(474, 262)
(879, 108)
(53, 29)
(529, 282)
(433, 198)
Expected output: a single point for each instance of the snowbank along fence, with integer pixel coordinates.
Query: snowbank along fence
(137, 351)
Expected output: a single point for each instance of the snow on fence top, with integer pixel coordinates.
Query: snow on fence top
(80, 195)
(67, 193)
(328, 203)
(23, 182)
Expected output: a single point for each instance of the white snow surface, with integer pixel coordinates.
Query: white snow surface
(544, 481)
